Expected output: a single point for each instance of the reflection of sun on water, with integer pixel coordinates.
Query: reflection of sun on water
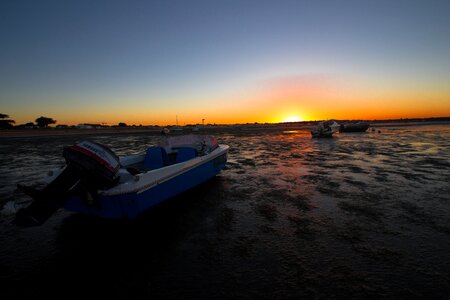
(292, 119)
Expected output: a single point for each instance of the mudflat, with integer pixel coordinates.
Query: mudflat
(357, 215)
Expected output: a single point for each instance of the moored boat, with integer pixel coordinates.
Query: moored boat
(325, 129)
(354, 127)
(97, 182)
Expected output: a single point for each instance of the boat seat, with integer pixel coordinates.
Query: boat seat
(185, 153)
(155, 158)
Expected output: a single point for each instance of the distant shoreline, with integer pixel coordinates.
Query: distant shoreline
(48, 132)
(33, 132)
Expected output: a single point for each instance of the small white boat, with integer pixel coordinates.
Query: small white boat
(325, 129)
(97, 182)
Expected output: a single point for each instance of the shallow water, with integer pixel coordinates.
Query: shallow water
(357, 215)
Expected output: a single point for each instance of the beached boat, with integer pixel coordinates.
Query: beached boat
(354, 127)
(165, 130)
(97, 182)
(325, 129)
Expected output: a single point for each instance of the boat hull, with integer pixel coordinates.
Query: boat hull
(317, 134)
(130, 205)
(354, 127)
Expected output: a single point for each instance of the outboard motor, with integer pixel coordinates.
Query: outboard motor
(90, 167)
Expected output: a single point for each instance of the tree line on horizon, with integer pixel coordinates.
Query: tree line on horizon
(41, 122)
(6, 123)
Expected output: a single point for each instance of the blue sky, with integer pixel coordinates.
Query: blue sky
(68, 58)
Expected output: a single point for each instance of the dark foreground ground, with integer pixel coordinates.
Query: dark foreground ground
(355, 216)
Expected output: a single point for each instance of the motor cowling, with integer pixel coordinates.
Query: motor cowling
(96, 162)
(90, 167)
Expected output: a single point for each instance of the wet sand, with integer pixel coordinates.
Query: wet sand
(358, 215)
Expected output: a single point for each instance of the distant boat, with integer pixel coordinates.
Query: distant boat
(325, 129)
(96, 182)
(354, 127)
(177, 129)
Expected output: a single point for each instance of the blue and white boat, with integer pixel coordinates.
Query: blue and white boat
(97, 182)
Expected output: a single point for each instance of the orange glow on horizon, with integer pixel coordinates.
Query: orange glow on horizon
(377, 114)
(292, 119)
(263, 111)
(286, 99)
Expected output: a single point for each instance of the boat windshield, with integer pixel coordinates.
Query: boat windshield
(203, 143)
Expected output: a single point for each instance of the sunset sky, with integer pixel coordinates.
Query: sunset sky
(149, 62)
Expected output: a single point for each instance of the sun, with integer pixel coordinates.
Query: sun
(292, 119)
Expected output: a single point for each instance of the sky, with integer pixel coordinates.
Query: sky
(156, 62)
